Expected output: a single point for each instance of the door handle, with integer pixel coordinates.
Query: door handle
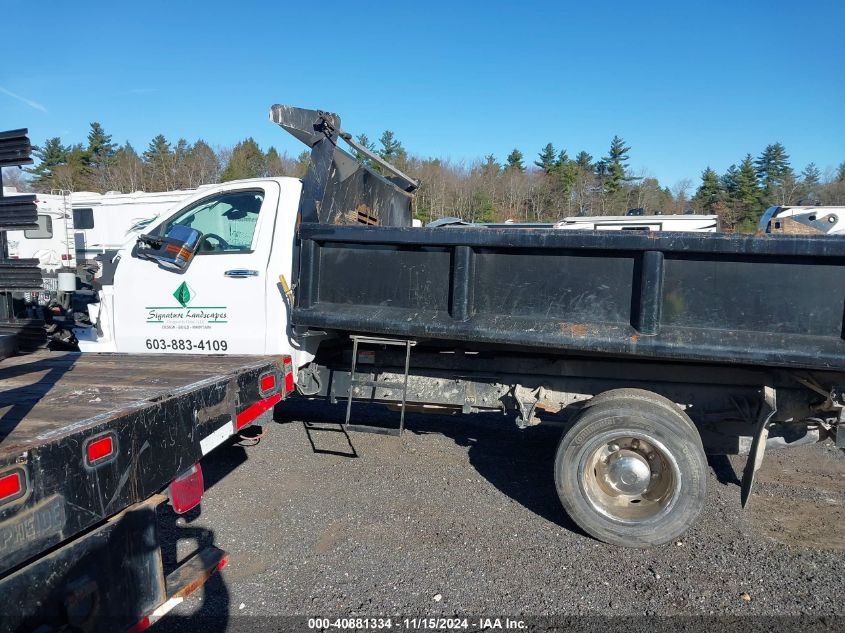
(239, 273)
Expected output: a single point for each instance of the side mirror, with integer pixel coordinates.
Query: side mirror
(174, 251)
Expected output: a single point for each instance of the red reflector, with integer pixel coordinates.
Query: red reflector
(267, 382)
(288, 375)
(11, 485)
(187, 489)
(251, 413)
(100, 449)
(66, 258)
(223, 562)
(142, 625)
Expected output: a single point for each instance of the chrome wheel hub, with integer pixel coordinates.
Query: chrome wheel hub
(628, 478)
(628, 472)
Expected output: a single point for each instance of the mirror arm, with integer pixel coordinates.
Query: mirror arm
(150, 240)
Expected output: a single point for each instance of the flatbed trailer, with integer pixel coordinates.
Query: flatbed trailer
(90, 445)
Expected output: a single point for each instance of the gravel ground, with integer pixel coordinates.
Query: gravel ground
(460, 516)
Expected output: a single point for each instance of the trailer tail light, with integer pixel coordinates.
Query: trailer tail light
(288, 364)
(100, 450)
(67, 258)
(187, 489)
(11, 486)
(267, 383)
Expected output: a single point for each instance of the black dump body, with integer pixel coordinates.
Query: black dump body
(775, 300)
(716, 298)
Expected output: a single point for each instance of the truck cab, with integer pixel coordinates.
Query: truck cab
(229, 300)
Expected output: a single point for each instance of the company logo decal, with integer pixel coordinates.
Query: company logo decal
(185, 316)
(183, 294)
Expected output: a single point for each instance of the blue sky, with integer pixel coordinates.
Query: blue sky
(686, 84)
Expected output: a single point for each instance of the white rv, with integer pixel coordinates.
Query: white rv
(828, 220)
(689, 223)
(76, 227)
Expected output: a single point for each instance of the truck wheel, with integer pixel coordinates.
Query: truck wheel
(632, 471)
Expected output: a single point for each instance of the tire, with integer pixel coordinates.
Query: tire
(632, 471)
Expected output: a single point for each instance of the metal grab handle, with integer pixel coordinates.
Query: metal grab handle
(239, 273)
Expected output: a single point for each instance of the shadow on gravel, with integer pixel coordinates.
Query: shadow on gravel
(723, 469)
(313, 433)
(518, 463)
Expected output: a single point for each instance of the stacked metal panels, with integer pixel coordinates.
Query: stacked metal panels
(17, 212)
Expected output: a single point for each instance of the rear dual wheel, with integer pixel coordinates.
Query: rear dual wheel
(632, 471)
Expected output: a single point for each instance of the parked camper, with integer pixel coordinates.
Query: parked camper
(74, 228)
(805, 220)
(687, 222)
(51, 243)
(104, 222)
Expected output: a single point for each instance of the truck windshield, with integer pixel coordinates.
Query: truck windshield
(227, 221)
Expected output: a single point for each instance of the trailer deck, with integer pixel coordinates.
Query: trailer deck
(83, 437)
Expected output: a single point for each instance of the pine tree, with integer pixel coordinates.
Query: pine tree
(811, 176)
(391, 149)
(547, 158)
(247, 161)
(364, 141)
(566, 173)
(747, 195)
(302, 163)
(158, 161)
(616, 165)
(100, 147)
(840, 173)
(514, 160)
(729, 181)
(50, 155)
(491, 166)
(584, 160)
(73, 175)
(273, 163)
(772, 169)
(709, 193)
(618, 153)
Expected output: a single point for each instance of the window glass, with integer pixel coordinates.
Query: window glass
(227, 221)
(44, 230)
(83, 218)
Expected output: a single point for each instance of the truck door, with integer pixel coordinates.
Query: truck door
(215, 306)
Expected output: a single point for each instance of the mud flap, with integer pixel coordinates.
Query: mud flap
(758, 444)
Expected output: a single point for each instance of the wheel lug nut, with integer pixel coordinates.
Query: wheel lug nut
(635, 443)
(613, 448)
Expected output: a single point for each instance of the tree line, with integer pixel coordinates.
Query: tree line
(552, 186)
